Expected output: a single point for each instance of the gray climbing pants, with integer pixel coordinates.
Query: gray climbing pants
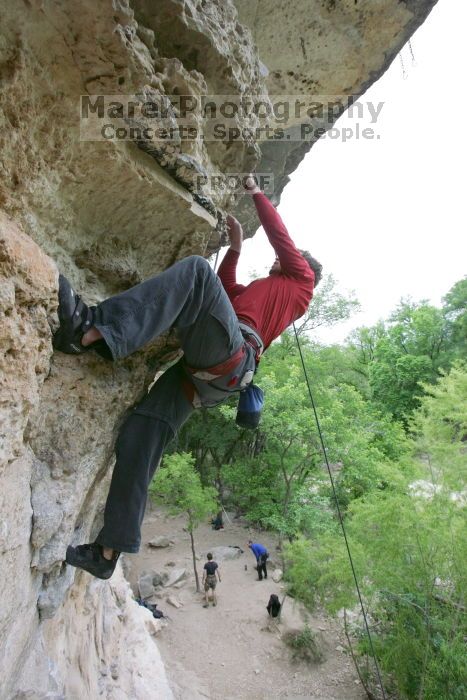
(190, 298)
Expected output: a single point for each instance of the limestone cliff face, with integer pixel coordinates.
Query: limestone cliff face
(108, 214)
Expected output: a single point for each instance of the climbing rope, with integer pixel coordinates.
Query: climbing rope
(341, 520)
(414, 62)
(215, 262)
(405, 74)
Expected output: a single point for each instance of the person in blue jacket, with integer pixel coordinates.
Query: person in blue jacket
(261, 554)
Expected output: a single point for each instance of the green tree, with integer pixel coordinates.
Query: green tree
(264, 482)
(214, 440)
(409, 551)
(329, 306)
(440, 430)
(408, 350)
(412, 348)
(363, 340)
(455, 314)
(283, 484)
(178, 484)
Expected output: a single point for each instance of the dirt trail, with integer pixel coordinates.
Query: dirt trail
(232, 651)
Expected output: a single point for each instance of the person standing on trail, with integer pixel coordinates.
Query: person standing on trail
(262, 555)
(210, 575)
(217, 522)
(223, 328)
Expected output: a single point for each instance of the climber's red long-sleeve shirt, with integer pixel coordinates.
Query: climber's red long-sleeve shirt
(270, 304)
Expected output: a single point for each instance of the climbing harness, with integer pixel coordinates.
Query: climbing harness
(252, 337)
(341, 521)
(251, 399)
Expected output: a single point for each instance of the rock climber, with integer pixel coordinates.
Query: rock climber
(223, 328)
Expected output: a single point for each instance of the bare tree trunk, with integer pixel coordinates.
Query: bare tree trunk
(194, 560)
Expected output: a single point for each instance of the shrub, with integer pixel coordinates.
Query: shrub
(304, 645)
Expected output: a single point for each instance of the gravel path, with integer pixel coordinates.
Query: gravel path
(232, 651)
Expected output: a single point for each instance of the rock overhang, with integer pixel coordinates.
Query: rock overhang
(109, 214)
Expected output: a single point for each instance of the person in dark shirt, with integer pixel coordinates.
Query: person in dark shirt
(210, 575)
(262, 555)
(217, 522)
(273, 607)
(223, 327)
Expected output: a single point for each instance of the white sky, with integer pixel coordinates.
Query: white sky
(387, 216)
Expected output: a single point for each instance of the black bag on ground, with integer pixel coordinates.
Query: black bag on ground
(152, 607)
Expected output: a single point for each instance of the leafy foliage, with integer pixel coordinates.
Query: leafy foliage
(455, 315)
(392, 407)
(304, 645)
(408, 545)
(179, 485)
(411, 349)
(328, 308)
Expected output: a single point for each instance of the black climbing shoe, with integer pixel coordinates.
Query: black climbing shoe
(75, 319)
(90, 558)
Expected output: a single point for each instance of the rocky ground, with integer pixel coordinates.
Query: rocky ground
(233, 651)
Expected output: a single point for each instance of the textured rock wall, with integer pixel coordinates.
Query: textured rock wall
(109, 214)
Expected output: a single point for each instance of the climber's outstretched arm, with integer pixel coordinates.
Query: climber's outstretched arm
(291, 260)
(228, 268)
